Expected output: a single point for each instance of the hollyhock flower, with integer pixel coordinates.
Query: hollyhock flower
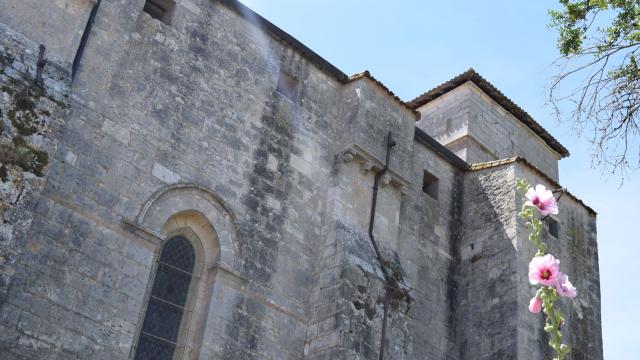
(535, 305)
(542, 199)
(564, 287)
(544, 270)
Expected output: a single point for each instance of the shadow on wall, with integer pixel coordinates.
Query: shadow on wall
(486, 289)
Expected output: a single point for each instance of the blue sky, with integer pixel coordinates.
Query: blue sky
(411, 46)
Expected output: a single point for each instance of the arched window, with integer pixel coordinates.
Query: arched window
(158, 337)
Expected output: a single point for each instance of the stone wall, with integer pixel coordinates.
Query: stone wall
(181, 129)
(57, 23)
(429, 231)
(485, 277)
(577, 249)
(492, 287)
(477, 129)
(191, 103)
(32, 116)
(411, 228)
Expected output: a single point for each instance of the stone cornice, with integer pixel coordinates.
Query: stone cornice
(372, 164)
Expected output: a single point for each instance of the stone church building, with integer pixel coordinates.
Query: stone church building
(184, 180)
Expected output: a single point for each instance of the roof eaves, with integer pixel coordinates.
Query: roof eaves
(496, 163)
(497, 96)
(324, 65)
(281, 35)
(491, 164)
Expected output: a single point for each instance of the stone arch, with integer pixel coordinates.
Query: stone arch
(204, 212)
(194, 226)
(200, 216)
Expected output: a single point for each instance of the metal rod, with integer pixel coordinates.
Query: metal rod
(84, 39)
(383, 333)
(387, 279)
(40, 65)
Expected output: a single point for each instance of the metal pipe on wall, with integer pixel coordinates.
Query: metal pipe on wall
(387, 279)
(84, 39)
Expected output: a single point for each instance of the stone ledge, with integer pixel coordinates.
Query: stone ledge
(232, 278)
(138, 229)
(372, 164)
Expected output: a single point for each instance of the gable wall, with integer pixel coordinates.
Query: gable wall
(476, 128)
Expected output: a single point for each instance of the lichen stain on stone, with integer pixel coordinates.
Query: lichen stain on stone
(23, 114)
(19, 153)
(368, 300)
(6, 59)
(7, 89)
(398, 293)
(26, 119)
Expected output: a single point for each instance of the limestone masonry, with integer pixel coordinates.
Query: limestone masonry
(184, 180)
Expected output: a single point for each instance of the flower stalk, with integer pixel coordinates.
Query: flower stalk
(544, 268)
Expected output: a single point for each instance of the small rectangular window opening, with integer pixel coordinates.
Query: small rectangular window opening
(553, 227)
(160, 9)
(430, 184)
(287, 85)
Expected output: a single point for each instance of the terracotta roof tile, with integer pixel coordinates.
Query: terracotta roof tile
(497, 96)
(491, 164)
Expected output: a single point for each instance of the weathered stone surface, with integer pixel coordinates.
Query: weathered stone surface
(180, 129)
(477, 129)
(32, 117)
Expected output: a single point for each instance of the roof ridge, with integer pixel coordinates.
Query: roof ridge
(495, 94)
(417, 101)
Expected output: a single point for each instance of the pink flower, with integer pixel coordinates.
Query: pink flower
(564, 287)
(542, 199)
(535, 305)
(544, 270)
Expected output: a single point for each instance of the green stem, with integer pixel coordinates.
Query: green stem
(548, 294)
(554, 321)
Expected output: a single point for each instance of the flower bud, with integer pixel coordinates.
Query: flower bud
(535, 305)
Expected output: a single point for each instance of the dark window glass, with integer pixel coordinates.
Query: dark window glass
(171, 284)
(162, 320)
(153, 348)
(178, 252)
(165, 308)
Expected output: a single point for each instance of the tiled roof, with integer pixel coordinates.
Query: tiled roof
(496, 163)
(492, 164)
(497, 96)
